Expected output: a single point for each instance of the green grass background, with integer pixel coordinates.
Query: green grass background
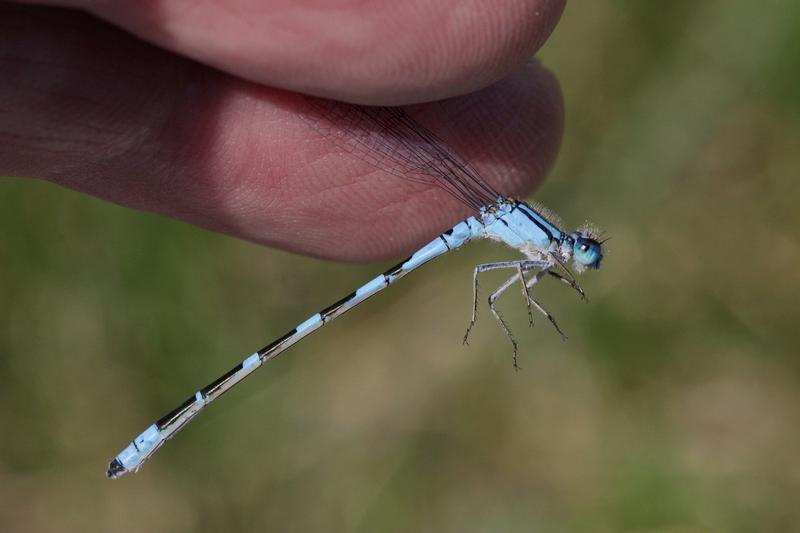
(674, 406)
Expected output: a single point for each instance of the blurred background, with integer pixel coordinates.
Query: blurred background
(673, 407)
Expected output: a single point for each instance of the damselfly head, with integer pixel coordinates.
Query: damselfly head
(587, 251)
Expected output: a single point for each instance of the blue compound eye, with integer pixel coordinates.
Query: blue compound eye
(587, 252)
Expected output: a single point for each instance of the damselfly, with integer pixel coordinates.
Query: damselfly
(390, 140)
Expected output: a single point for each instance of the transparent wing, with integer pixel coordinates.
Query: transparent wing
(390, 140)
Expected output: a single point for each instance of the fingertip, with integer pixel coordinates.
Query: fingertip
(510, 132)
(459, 50)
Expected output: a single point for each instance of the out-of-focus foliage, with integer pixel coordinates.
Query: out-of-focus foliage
(674, 406)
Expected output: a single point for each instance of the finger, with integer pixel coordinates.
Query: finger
(379, 52)
(100, 112)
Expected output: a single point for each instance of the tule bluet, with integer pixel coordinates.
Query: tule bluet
(390, 140)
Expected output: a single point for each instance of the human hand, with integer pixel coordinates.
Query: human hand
(216, 140)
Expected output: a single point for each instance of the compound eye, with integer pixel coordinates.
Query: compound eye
(587, 252)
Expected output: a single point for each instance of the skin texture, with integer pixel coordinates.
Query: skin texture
(198, 120)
